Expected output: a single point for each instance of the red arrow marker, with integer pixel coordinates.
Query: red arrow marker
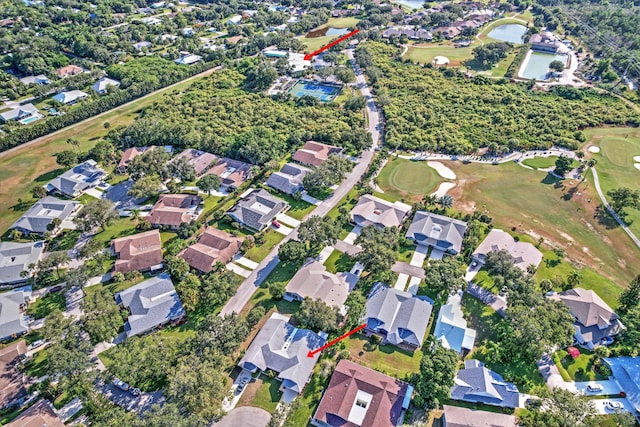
(308, 56)
(329, 344)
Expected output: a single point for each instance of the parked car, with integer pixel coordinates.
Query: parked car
(594, 388)
(135, 391)
(275, 223)
(613, 405)
(36, 344)
(121, 384)
(244, 381)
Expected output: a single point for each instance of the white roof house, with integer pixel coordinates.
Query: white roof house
(451, 327)
(70, 97)
(101, 85)
(13, 321)
(40, 79)
(234, 20)
(20, 113)
(16, 258)
(188, 59)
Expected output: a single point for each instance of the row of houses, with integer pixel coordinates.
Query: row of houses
(27, 113)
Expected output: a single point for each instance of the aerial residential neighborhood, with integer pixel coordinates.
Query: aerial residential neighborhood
(308, 213)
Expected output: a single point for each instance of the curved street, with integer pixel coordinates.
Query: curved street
(261, 272)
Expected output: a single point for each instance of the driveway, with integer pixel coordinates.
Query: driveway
(608, 387)
(118, 194)
(73, 299)
(436, 254)
(601, 409)
(417, 260)
(409, 270)
(401, 283)
(286, 219)
(245, 416)
(351, 237)
(492, 300)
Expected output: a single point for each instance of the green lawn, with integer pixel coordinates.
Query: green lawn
(37, 367)
(299, 208)
(316, 43)
(339, 261)
(387, 359)
(262, 393)
(568, 366)
(259, 252)
(615, 167)
(310, 400)
(281, 274)
(563, 213)
(119, 228)
(46, 304)
(402, 179)
(545, 162)
(28, 167)
(480, 317)
(65, 241)
(424, 54)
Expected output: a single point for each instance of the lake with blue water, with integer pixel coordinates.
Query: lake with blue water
(512, 33)
(538, 65)
(413, 4)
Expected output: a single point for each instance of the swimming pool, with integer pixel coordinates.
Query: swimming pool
(323, 91)
(30, 119)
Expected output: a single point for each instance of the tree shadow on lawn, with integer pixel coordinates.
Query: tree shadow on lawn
(48, 176)
(605, 219)
(551, 180)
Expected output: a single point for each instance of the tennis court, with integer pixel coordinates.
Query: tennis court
(324, 91)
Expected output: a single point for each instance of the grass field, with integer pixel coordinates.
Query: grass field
(259, 252)
(569, 368)
(46, 304)
(338, 262)
(544, 162)
(563, 213)
(262, 393)
(406, 180)
(316, 43)
(387, 359)
(27, 167)
(615, 168)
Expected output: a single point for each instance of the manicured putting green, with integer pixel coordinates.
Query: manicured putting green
(402, 178)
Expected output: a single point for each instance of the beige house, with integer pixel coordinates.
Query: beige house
(315, 282)
(524, 254)
(371, 210)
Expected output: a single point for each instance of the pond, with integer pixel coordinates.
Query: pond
(511, 33)
(327, 31)
(537, 65)
(413, 4)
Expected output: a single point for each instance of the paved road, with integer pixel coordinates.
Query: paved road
(615, 216)
(251, 283)
(64, 129)
(245, 416)
(408, 269)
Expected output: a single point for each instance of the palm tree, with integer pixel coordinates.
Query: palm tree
(445, 201)
(15, 234)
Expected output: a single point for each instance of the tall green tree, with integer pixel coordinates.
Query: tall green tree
(97, 214)
(102, 318)
(436, 376)
(318, 316)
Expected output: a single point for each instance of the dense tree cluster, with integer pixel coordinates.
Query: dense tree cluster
(436, 377)
(489, 54)
(441, 110)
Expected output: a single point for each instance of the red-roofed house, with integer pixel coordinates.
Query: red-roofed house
(69, 70)
(315, 153)
(172, 210)
(213, 246)
(361, 397)
(142, 251)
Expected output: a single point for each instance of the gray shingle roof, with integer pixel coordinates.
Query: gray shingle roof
(523, 253)
(36, 219)
(403, 316)
(12, 320)
(16, 257)
(373, 210)
(437, 230)
(315, 282)
(151, 303)
(71, 183)
(283, 348)
(257, 209)
(476, 383)
(464, 417)
(289, 179)
(19, 112)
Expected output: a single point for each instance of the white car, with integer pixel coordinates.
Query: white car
(594, 388)
(613, 405)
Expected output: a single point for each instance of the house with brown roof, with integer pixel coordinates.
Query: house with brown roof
(232, 173)
(69, 70)
(596, 323)
(314, 281)
(39, 415)
(371, 210)
(200, 160)
(315, 153)
(13, 388)
(139, 252)
(213, 245)
(173, 210)
(361, 397)
(130, 154)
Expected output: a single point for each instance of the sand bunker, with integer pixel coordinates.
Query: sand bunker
(443, 188)
(594, 149)
(441, 60)
(637, 166)
(442, 170)
(636, 159)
